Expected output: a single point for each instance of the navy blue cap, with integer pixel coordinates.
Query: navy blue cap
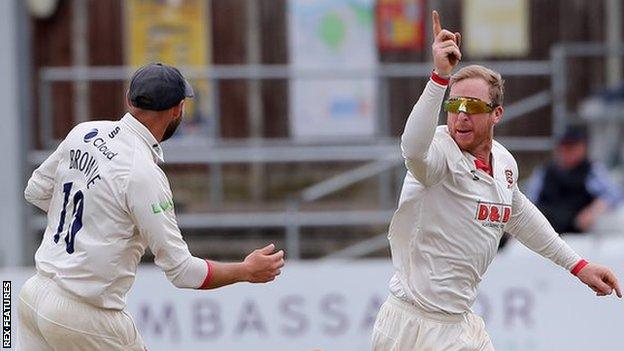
(573, 134)
(158, 87)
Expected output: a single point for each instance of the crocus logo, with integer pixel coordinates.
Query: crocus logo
(92, 134)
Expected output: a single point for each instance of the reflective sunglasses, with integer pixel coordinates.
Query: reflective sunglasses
(471, 106)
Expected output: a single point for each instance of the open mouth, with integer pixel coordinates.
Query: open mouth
(463, 131)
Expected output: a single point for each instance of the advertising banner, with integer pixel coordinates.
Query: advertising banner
(527, 303)
(332, 34)
(496, 28)
(400, 24)
(175, 32)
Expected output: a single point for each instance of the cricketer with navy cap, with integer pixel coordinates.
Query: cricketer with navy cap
(107, 200)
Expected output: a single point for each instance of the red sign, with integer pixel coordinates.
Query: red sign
(400, 24)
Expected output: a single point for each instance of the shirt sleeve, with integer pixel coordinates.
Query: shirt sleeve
(531, 228)
(424, 158)
(151, 206)
(600, 185)
(41, 183)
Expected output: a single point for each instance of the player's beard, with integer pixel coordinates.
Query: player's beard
(171, 128)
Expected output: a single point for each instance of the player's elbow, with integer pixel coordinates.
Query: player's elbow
(36, 199)
(29, 197)
(178, 280)
(29, 193)
(188, 275)
(33, 192)
(180, 283)
(32, 198)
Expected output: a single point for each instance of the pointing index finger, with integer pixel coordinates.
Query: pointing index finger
(435, 19)
(615, 285)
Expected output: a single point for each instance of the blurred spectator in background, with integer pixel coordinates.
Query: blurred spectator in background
(572, 191)
(604, 116)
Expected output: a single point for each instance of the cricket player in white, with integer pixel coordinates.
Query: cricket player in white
(459, 196)
(106, 200)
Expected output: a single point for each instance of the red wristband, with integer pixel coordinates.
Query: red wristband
(208, 276)
(579, 266)
(440, 80)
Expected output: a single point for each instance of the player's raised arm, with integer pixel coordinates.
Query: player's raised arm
(422, 121)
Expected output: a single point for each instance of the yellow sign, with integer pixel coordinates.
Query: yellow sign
(174, 32)
(496, 28)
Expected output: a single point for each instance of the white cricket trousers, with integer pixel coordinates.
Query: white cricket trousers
(401, 326)
(52, 319)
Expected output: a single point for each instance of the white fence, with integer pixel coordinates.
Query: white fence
(528, 304)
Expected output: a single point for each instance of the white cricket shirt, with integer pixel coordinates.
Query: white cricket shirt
(106, 200)
(451, 216)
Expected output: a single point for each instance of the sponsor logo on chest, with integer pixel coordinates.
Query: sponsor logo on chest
(492, 214)
(99, 143)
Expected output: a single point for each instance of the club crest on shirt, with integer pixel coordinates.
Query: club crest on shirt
(492, 214)
(509, 177)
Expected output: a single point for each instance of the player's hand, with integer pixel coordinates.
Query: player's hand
(600, 279)
(445, 48)
(263, 265)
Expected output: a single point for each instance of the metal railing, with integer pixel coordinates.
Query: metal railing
(337, 183)
(607, 126)
(216, 74)
(381, 154)
(560, 54)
